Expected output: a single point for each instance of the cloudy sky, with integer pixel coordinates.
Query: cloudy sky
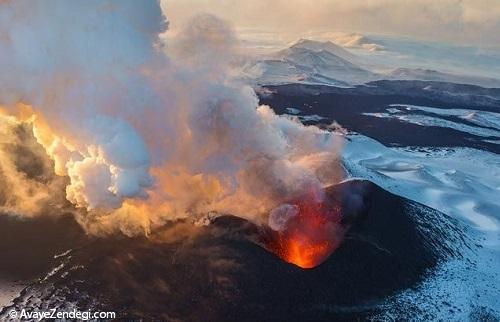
(471, 22)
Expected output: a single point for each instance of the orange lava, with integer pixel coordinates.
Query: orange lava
(306, 255)
(310, 237)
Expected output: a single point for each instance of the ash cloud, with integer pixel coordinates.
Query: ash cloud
(28, 186)
(143, 131)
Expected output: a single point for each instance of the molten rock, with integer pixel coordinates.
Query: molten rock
(306, 231)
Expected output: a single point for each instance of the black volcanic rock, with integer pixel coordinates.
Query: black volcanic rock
(220, 272)
(347, 106)
(29, 244)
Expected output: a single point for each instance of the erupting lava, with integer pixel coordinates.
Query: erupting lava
(310, 235)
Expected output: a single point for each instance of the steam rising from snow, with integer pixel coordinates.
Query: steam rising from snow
(148, 131)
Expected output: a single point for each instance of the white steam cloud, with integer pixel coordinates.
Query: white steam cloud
(147, 131)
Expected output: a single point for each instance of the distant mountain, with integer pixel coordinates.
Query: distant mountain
(328, 46)
(308, 61)
(325, 63)
(433, 75)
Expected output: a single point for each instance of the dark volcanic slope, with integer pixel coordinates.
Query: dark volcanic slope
(219, 272)
(347, 105)
(28, 245)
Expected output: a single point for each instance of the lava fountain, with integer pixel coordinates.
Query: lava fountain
(305, 232)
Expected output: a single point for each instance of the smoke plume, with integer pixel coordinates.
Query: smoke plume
(137, 130)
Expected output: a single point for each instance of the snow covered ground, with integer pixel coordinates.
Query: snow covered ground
(480, 123)
(9, 290)
(482, 118)
(461, 182)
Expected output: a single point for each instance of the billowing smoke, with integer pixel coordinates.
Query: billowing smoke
(28, 185)
(143, 130)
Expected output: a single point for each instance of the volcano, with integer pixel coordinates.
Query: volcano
(227, 271)
(314, 229)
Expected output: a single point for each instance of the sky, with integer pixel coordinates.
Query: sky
(467, 22)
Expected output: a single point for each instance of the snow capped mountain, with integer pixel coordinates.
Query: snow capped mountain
(325, 63)
(312, 62)
(328, 46)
